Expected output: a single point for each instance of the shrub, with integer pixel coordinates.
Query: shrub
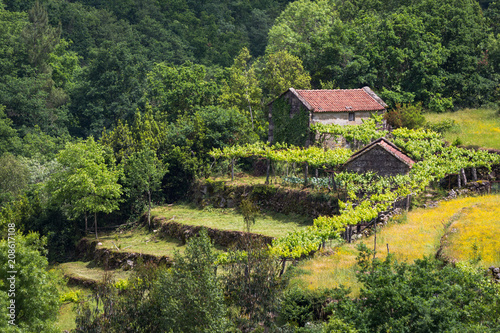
(406, 115)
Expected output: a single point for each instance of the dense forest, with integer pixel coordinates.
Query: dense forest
(108, 106)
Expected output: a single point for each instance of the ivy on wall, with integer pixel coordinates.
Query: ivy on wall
(290, 128)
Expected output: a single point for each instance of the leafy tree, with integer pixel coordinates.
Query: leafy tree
(250, 212)
(143, 175)
(9, 140)
(14, 177)
(177, 91)
(242, 89)
(189, 295)
(36, 296)
(108, 89)
(40, 37)
(283, 71)
(253, 285)
(87, 181)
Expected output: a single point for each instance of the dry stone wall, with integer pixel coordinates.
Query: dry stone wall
(281, 200)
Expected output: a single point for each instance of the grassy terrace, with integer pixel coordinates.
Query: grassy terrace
(478, 127)
(88, 271)
(139, 240)
(268, 223)
(418, 234)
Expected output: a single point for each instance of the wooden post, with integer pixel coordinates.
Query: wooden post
(462, 172)
(306, 171)
(375, 240)
(268, 166)
(232, 169)
(283, 264)
(474, 174)
(459, 179)
(95, 223)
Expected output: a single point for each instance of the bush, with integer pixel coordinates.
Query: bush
(406, 115)
(426, 296)
(300, 306)
(441, 126)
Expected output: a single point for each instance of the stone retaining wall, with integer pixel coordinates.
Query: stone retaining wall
(225, 238)
(286, 201)
(110, 259)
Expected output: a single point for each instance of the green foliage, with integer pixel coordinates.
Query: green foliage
(442, 126)
(176, 91)
(282, 71)
(242, 90)
(289, 128)
(73, 296)
(35, 293)
(300, 306)
(189, 295)
(143, 174)
(14, 177)
(9, 140)
(421, 297)
(253, 286)
(410, 51)
(87, 181)
(250, 211)
(407, 115)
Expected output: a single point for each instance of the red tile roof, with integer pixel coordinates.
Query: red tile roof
(387, 145)
(340, 100)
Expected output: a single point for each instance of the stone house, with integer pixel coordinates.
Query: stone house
(382, 157)
(292, 113)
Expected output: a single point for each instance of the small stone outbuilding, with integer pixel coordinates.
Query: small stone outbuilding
(382, 157)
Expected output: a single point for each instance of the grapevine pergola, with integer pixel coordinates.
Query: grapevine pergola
(434, 159)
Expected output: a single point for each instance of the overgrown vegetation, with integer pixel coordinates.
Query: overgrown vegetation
(108, 109)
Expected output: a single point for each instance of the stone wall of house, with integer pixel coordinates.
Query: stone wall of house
(377, 160)
(340, 118)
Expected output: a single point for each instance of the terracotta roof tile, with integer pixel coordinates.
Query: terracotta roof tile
(340, 100)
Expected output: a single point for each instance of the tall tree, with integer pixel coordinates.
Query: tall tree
(189, 295)
(87, 181)
(40, 37)
(242, 89)
(283, 71)
(143, 174)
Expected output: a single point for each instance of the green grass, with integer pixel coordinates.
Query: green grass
(67, 310)
(87, 270)
(267, 223)
(474, 127)
(140, 240)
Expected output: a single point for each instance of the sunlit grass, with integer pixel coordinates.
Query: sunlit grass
(419, 236)
(140, 240)
(478, 127)
(268, 223)
(67, 311)
(474, 236)
(87, 270)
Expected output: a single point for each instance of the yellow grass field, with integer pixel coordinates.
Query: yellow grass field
(419, 236)
(475, 234)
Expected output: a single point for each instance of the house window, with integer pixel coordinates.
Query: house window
(351, 116)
